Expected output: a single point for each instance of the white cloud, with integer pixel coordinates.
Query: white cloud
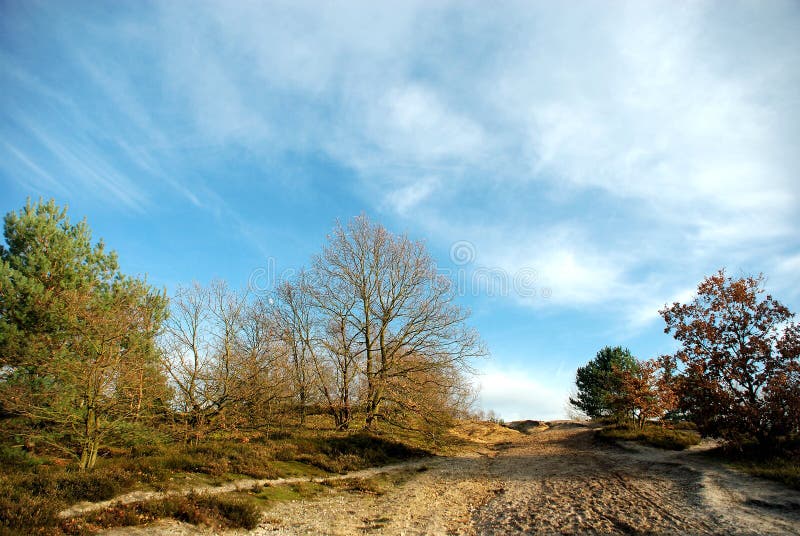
(646, 312)
(790, 264)
(574, 272)
(405, 199)
(517, 394)
(592, 144)
(412, 123)
(629, 99)
(82, 162)
(43, 178)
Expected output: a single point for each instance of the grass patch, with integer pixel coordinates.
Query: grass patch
(341, 453)
(66, 486)
(785, 470)
(29, 503)
(376, 485)
(288, 469)
(290, 492)
(379, 484)
(652, 435)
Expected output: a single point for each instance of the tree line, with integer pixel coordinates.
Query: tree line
(369, 335)
(736, 373)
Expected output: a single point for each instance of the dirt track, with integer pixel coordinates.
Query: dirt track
(555, 481)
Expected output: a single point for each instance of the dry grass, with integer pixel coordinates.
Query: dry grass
(374, 485)
(483, 432)
(785, 470)
(653, 435)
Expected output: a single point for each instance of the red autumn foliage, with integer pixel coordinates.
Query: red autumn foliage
(645, 392)
(739, 351)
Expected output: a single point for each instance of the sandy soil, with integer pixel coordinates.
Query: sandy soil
(554, 480)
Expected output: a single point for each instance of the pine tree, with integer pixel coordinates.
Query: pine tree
(598, 382)
(76, 335)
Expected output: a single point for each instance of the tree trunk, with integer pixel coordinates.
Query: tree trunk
(303, 397)
(91, 441)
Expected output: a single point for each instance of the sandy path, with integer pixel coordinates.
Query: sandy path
(556, 481)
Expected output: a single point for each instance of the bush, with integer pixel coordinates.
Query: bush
(31, 502)
(74, 487)
(684, 425)
(220, 458)
(363, 449)
(137, 438)
(217, 511)
(33, 491)
(185, 462)
(655, 436)
(780, 463)
(236, 512)
(17, 458)
(20, 513)
(342, 453)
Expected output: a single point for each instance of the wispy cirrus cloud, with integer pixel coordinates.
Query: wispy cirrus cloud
(78, 160)
(622, 150)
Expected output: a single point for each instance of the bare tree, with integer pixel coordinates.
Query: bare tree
(314, 324)
(294, 320)
(188, 357)
(263, 376)
(340, 350)
(221, 358)
(404, 315)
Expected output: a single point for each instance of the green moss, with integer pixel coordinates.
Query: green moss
(291, 468)
(290, 492)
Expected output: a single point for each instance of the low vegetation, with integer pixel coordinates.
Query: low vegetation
(288, 492)
(33, 489)
(654, 435)
(781, 469)
(216, 511)
(376, 485)
(781, 463)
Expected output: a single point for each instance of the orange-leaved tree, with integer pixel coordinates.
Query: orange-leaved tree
(739, 351)
(645, 391)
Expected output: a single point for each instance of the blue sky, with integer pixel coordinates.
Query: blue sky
(604, 155)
